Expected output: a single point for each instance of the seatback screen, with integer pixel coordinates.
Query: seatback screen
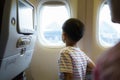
(25, 17)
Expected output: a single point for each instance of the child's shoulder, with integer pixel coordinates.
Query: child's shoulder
(66, 50)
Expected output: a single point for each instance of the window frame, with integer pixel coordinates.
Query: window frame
(51, 2)
(98, 27)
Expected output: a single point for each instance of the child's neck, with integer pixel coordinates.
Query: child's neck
(71, 44)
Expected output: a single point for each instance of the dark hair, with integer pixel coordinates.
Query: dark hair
(74, 29)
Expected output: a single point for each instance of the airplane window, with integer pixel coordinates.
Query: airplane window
(109, 32)
(51, 20)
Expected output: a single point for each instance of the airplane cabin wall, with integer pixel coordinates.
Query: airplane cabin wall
(97, 48)
(44, 64)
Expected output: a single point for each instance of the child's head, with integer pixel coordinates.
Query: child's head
(73, 29)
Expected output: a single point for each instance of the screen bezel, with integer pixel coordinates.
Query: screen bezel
(23, 30)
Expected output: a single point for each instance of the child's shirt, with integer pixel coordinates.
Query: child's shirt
(73, 60)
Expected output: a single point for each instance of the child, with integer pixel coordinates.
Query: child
(73, 62)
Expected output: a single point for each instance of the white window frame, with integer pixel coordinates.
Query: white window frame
(102, 44)
(42, 42)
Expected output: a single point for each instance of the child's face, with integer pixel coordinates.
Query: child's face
(63, 37)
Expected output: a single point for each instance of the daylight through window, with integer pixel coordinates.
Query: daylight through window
(51, 21)
(109, 32)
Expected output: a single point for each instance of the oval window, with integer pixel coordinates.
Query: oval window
(109, 32)
(52, 17)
